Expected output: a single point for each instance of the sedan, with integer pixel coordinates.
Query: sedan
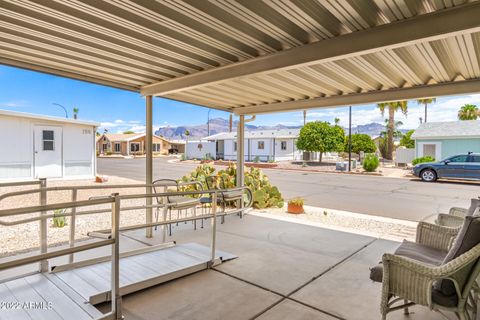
(459, 167)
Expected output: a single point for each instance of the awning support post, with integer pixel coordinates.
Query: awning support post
(149, 162)
(240, 156)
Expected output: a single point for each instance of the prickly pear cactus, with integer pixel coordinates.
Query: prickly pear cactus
(264, 194)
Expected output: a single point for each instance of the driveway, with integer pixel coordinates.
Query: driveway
(381, 196)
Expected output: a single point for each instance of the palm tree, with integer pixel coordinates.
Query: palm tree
(426, 102)
(392, 108)
(75, 113)
(468, 112)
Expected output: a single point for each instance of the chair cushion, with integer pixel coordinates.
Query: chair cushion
(447, 301)
(413, 251)
(467, 238)
(179, 202)
(232, 195)
(421, 253)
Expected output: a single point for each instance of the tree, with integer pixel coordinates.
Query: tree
(407, 140)
(392, 108)
(128, 132)
(75, 112)
(426, 102)
(361, 142)
(321, 137)
(468, 112)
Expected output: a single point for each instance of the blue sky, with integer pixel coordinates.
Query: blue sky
(118, 110)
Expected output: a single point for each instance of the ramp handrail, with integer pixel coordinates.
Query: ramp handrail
(112, 240)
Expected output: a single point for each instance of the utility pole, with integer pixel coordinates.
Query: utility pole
(208, 122)
(230, 122)
(350, 138)
(304, 117)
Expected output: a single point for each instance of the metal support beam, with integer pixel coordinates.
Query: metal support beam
(425, 27)
(43, 225)
(409, 93)
(240, 153)
(149, 160)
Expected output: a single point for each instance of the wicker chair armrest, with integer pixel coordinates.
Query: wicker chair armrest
(448, 220)
(458, 212)
(435, 236)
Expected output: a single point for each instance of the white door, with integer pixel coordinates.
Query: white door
(48, 151)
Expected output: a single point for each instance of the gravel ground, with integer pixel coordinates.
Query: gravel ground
(24, 237)
(386, 228)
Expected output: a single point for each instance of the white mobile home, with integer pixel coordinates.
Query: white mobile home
(261, 145)
(38, 146)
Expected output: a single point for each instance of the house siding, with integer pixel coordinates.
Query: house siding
(451, 147)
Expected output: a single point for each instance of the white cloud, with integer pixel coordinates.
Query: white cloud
(13, 104)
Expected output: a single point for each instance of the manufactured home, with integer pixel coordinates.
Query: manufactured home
(441, 140)
(39, 146)
(260, 145)
(127, 144)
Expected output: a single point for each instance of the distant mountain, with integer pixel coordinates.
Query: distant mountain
(218, 125)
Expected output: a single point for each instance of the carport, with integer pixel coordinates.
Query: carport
(250, 57)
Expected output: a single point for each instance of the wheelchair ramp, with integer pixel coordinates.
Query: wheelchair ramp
(140, 271)
(37, 297)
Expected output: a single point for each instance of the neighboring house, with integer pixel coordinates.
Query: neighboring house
(177, 146)
(262, 145)
(129, 144)
(444, 139)
(39, 146)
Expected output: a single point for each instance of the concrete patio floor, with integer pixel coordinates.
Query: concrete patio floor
(284, 271)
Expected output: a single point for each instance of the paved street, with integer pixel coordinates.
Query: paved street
(389, 197)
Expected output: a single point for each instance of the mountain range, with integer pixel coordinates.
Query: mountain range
(218, 125)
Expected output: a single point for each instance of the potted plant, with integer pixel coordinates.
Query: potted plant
(295, 206)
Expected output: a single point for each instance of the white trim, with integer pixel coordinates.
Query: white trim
(9, 113)
(438, 149)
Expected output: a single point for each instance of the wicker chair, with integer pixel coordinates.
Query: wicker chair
(411, 275)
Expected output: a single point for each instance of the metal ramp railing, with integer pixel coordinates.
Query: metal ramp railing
(203, 258)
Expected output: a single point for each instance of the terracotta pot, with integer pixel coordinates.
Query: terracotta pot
(295, 209)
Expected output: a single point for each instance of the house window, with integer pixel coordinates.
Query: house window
(156, 147)
(48, 140)
(117, 147)
(283, 145)
(261, 145)
(235, 146)
(134, 147)
(104, 147)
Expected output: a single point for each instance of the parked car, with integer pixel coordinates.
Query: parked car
(173, 151)
(460, 167)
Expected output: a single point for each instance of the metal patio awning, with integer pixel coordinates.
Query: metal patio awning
(251, 57)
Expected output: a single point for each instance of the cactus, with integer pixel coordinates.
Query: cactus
(264, 194)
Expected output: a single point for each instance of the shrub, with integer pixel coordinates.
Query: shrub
(370, 162)
(256, 159)
(108, 153)
(59, 220)
(422, 160)
(296, 201)
(264, 194)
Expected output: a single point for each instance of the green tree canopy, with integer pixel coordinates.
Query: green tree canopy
(361, 142)
(407, 140)
(468, 112)
(128, 132)
(321, 137)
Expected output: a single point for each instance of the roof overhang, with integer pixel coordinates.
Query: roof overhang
(251, 57)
